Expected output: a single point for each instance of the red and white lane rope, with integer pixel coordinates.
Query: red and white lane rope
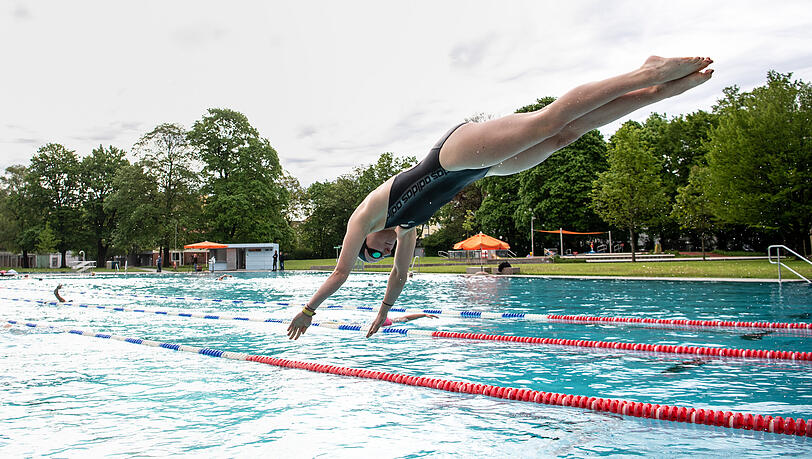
(614, 345)
(728, 419)
(547, 318)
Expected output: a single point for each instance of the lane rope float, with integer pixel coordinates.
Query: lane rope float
(547, 318)
(727, 419)
(612, 345)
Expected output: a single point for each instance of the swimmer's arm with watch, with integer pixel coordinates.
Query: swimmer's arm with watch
(346, 260)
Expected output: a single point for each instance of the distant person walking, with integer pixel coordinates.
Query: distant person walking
(159, 263)
(281, 261)
(275, 259)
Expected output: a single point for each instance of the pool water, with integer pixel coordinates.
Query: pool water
(68, 395)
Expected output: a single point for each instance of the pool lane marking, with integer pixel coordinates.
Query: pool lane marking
(613, 345)
(98, 293)
(548, 318)
(727, 419)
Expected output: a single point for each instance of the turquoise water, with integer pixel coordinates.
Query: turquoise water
(68, 395)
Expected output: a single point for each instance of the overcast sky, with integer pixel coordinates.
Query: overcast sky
(334, 84)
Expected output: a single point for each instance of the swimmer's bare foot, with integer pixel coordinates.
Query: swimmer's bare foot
(664, 69)
(679, 86)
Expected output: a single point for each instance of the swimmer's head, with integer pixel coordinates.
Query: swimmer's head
(377, 246)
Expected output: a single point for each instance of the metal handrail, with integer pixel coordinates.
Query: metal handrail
(415, 262)
(780, 264)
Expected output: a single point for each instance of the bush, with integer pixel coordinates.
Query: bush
(302, 253)
(558, 259)
(438, 241)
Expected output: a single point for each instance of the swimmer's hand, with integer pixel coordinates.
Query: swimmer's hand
(298, 325)
(376, 324)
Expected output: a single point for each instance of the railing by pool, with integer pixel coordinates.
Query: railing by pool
(780, 263)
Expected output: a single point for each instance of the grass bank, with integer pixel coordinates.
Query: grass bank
(736, 269)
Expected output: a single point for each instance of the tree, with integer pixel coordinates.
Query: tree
(18, 219)
(243, 183)
(166, 156)
(55, 193)
(692, 206)
(497, 212)
(557, 191)
(680, 144)
(760, 157)
(629, 194)
(139, 205)
(97, 174)
(46, 240)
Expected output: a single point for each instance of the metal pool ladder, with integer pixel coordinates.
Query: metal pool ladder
(778, 262)
(415, 262)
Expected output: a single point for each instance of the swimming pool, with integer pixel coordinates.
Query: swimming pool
(67, 395)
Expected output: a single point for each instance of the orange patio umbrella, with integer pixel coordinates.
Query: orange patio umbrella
(205, 245)
(481, 242)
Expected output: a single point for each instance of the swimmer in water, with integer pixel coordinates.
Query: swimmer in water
(470, 151)
(756, 335)
(685, 365)
(57, 295)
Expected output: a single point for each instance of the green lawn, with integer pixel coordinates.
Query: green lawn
(746, 269)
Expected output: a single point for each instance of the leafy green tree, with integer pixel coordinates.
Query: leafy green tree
(137, 201)
(19, 221)
(692, 206)
(46, 240)
(556, 191)
(496, 215)
(630, 193)
(243, 182)
(166, 156)
(97, 174)
(55, 193)
(679, 143)
(760, 157)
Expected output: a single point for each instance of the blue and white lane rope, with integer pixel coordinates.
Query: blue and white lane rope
(795, 327)
(102, 294)
(145, 342)
(614, 345)
(226, 317)
(748, 421)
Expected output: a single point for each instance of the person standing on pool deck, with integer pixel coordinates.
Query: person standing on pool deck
(470, 151)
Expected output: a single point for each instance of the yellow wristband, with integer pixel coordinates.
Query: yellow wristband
(308, 312)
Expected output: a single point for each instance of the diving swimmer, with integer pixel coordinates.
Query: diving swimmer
(390, 214)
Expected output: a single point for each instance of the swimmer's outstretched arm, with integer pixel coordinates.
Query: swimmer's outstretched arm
(356, 232)
(407, 239)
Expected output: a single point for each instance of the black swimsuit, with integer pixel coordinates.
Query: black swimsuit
(418, 193)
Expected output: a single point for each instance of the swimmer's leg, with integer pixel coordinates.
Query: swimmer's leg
(612, 111)
(477, 145)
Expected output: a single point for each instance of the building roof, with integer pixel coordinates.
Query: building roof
(253, 245)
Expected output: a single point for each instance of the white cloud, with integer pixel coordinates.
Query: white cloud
(334, 84)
